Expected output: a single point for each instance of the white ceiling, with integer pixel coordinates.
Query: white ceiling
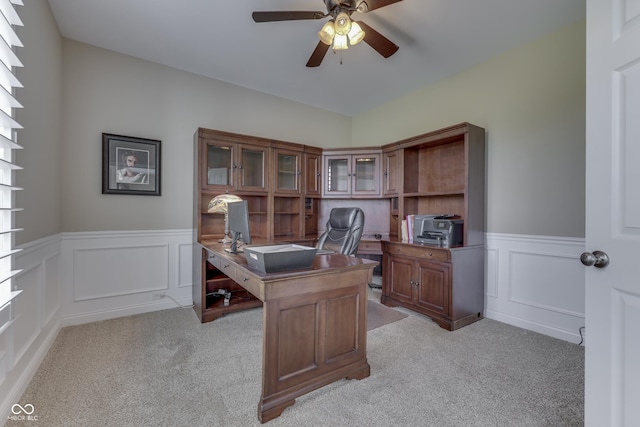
(218, 39)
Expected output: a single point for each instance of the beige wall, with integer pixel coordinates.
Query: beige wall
(109, 92)
(41, 117)
(531, 101)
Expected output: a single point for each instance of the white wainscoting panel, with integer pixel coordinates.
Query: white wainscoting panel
(536, 283)
(36, 318)
(113, 274)
(115, 271)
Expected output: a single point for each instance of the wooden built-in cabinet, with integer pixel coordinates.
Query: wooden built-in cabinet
(313, 172)
(441, 172)
(391, 172)
(444, 284)
(288, 171)
(271, 176)
(351, 173)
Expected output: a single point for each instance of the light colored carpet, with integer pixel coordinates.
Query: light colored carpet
(167, 369)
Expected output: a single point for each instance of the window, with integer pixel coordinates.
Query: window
(8, 128)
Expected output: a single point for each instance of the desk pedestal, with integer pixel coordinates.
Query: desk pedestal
(314, 325)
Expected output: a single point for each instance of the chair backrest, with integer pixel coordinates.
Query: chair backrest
(344, 230)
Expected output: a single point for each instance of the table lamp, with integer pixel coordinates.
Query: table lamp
(219, 205)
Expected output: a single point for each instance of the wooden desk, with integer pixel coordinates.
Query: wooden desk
(314, 323)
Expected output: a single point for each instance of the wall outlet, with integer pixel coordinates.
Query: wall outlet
(159, 295)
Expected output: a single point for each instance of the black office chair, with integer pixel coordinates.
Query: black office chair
(343, 233)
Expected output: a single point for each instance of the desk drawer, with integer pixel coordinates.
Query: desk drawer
(249, 282)
(213, 259)
(424, 252)
(228, 269)
(371, 247)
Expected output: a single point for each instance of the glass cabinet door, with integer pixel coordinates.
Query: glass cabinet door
(236, 167)
(252, 168)
(366, 174)
(338, 176)
(288, 171)
(219, 165)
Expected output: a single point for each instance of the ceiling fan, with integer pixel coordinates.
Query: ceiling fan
(340, 27)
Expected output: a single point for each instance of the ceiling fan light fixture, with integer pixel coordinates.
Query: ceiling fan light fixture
(327, 33)
(340, 42)
(343, 24)
(355, 34)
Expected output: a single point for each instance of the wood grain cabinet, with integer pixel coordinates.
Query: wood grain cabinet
(270, 176)
(288, 171)
(232, 165)
(313, 172)
(444, 284)
(391, 172)
(440, 172)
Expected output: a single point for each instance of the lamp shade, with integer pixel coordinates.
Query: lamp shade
(219, 203)
(326, 33)
(340, 42)
(355, 34)
(343, 24)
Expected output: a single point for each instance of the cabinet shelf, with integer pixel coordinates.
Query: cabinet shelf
(435, 194)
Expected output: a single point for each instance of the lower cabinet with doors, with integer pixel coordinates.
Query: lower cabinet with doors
(446, 284)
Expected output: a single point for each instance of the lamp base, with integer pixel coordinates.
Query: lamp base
(226, 238)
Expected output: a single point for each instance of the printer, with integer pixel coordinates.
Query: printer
(439, 230)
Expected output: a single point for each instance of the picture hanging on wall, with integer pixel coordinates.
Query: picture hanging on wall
(130, 165)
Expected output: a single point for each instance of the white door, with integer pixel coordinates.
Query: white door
(612, 381)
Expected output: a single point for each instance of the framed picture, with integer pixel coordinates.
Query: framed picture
(130, 165)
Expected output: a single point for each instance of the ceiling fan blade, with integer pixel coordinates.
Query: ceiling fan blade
(318, 55)
(365, 6)
(380, 43)
(291, 15)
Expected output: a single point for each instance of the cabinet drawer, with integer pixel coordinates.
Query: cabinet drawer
(228, 269)
(372, 247)
(213, 259)
(423, 252)
(250, 283)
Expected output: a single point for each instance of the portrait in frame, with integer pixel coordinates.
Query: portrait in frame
(130, 165)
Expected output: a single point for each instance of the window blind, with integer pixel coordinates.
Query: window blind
(9, 61)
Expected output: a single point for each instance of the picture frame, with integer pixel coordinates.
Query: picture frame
(130, 165)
